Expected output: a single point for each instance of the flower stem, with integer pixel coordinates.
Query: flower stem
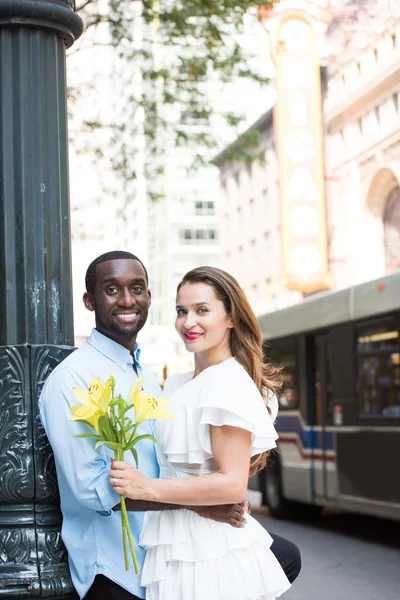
(126, 529)
(129, 534)
(124, 533)
(124, 522)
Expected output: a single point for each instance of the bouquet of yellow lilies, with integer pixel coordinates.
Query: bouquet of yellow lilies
(107, 417)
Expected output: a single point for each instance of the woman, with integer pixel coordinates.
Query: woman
(221, 432)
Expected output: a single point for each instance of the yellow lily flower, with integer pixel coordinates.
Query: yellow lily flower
(94, 402)
(146, 405)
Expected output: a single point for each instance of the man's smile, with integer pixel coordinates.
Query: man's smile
(127, 317)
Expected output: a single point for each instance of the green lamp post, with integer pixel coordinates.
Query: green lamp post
(36, 326)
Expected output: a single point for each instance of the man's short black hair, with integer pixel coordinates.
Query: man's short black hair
(90, 278)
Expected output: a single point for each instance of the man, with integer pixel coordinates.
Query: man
(117, 292)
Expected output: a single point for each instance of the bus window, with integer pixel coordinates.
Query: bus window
(284, 355)
(378, 370)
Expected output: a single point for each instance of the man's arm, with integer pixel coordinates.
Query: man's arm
(82, 468)
(233, 514)
(86, 469)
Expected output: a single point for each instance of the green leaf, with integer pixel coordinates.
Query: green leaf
(117, 401)
(126, 409)
(111, 445)
(135, 456)
(200, 39)
(95, 436)
(139, 438)
(128, 425)
(106, 429)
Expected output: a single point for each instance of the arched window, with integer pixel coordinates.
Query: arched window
(391, 224)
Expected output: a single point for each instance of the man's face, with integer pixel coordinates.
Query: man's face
(121, 300)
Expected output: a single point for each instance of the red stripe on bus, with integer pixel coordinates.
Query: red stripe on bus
(306, 453)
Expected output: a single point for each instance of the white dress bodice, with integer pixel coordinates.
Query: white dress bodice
(190, 557)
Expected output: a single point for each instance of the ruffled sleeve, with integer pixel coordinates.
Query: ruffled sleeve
(220, 395)
(232, 398)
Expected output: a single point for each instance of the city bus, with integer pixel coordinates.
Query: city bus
(339, 417)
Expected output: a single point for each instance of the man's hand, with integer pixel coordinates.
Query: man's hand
(233, 514)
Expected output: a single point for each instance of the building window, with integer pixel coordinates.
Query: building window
(263, 160)
(237, 178)
(265, 199)
(253, 245)
(251, 208)
(195, 117)
(394, 40)
(197, 236)
(254, 295)
(266, 243)
(395, 99)
(360, 125)
(249, 169)
(203, 207)
(377, 114)
(378, 370)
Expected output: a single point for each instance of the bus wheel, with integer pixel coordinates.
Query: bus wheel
(279, 507)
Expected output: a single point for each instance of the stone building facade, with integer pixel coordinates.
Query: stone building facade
(361, 121)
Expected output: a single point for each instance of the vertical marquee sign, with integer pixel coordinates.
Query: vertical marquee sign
(295, 29)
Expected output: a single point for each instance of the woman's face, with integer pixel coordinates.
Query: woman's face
(202, 321)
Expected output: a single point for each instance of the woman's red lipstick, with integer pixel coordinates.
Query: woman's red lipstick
(191, 336)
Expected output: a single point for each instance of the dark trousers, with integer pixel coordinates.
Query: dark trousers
(288, 555)
(286, 552)
(105, 589)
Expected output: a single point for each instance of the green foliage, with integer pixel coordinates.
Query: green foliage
(184, 44)
(245, 148)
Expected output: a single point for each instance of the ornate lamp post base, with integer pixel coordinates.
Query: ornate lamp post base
(36, 327)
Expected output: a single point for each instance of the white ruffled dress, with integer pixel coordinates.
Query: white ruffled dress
(190, 557)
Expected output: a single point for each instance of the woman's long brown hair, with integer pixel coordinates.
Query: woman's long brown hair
(246, 339)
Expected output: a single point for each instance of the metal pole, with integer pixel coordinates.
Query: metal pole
(36, 327)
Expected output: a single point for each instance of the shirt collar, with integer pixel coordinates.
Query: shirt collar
(136, 353)
(114, 351)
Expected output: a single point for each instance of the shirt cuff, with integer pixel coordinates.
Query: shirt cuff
(108, 498)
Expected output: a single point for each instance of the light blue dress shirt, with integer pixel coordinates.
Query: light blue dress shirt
(91, 531)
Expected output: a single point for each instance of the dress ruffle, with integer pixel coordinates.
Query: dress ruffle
(192, 558)
(220, 395)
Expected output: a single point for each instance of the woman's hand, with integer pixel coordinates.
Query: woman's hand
(128, 481)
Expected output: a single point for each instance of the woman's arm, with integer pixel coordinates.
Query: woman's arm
(231, 450)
